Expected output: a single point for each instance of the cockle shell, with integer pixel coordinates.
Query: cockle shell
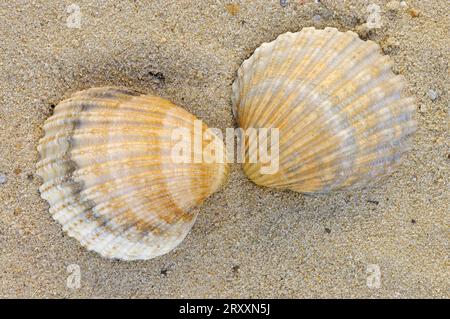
(110, 178)
(343, 119)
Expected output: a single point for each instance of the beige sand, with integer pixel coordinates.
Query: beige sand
(248, 241)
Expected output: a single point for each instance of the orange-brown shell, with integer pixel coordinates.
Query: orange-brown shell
(343, 118)
(110, 178)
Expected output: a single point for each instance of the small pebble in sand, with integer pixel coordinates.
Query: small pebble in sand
(413, 12)
(17, 211)
(75, 43)
(236, 269)
(317, 18)
(163, 272)
(390, 45)
(284, 3)
(404, 4)
(232, 8)
(433, 95)
(362, 30)
(2, 178)
(393, 6)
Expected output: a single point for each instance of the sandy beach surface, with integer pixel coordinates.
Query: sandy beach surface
(248, 241)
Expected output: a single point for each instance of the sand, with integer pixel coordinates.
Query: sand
(248, 241)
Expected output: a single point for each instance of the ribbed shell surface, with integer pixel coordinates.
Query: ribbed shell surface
(109, 176)
(343, 118)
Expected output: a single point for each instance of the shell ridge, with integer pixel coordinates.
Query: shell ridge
(303, 81)
(306, 48)
(279, 43)
(345, 104)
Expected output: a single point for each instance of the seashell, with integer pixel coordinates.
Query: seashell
(110, 178)
(343, 119)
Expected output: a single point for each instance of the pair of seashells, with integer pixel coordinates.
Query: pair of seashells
(106, 155)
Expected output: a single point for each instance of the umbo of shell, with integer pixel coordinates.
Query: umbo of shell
(343, 118)
(109, 174)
